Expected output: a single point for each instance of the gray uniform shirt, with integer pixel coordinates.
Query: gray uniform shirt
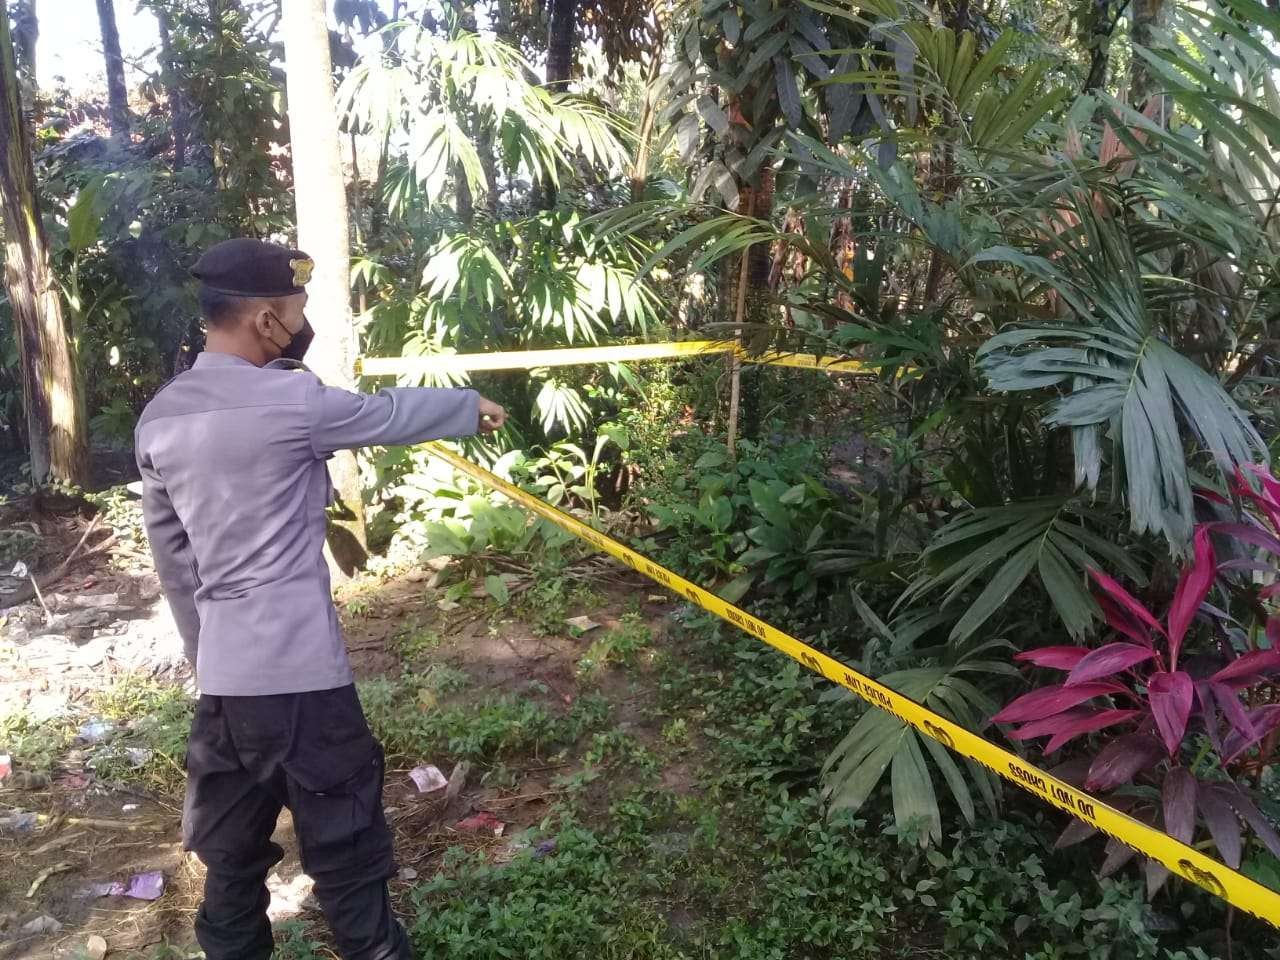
(235, 487)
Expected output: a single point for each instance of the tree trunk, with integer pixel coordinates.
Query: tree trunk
(639, 173)
(50, 391)
(1098, 39)
(321, 198)
(465, 205)
(1146, 16)
(562, 37)
(177, 102)
(26, 32)
(117, 92)
(758, 304)
(561, 43)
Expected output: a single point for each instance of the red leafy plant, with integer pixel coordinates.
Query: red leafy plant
(1193, 714)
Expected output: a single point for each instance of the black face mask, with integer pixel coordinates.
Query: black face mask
(297, 348)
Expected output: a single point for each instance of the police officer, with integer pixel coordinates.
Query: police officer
(232, 455)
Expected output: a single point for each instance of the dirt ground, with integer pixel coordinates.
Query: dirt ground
(103, 621)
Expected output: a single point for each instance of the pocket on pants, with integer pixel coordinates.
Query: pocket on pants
(335, 792)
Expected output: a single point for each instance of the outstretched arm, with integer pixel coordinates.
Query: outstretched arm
(341, 420)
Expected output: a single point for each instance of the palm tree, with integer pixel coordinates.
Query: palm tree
(321, 196)
(56, 434)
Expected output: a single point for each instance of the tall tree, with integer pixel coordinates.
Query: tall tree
(562, 42)
(177, 99)
(56, 433)
(321, 196)
(1147, 16)
(26, 30)
(117, 92)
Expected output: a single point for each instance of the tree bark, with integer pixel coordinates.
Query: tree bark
(26, 32)
(321, 199)
(561, 43)
(639, 173)
(562, 37)
(1146, 16)
(117, 92)
(177, 102)
(465, 205)
(56, 434)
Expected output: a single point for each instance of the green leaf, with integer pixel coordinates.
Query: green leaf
(1007, 579)
(496, 587)
(914, 799)
(713, 114)
(83, 222)
(735, 589)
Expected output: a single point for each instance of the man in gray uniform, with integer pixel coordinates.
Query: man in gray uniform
(232, 455)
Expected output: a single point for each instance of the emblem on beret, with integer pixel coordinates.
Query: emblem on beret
(302, 271)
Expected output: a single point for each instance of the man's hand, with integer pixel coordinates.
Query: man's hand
(492, 416)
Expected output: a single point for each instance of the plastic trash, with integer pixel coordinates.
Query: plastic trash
(543, 848)
(581, 625)
(44, 924)
(145, 886)
(19, 822)
(107, 888)
(483, 822)
(6, 765)
(289, 898)
(94, 731)
(129, 808)
(428, 778)
(139, 756)
(95, 948)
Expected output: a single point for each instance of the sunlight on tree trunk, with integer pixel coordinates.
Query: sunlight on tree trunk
(639, 173)
(322, 231)
(117, 92)
(55, 421)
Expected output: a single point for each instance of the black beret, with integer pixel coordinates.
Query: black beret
(253, 268)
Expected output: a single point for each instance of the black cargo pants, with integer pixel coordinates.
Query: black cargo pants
(313, 753)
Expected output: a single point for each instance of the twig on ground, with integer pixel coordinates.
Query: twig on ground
(75, 556)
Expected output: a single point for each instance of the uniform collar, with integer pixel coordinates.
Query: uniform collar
(211, 358)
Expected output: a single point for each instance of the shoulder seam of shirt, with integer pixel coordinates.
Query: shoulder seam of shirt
(239, 406)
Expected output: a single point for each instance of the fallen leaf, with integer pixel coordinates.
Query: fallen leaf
(581, 624)
(45, 874)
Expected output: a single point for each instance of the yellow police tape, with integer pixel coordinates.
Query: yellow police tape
(528, 359)
(1219, 879)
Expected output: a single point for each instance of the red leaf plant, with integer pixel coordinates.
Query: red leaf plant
(1188, 703)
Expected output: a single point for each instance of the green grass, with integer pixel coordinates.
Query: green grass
(153, 717)
(405, 715)
(619, 646)
(414, 642)
(749, 865)
(35, 745)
